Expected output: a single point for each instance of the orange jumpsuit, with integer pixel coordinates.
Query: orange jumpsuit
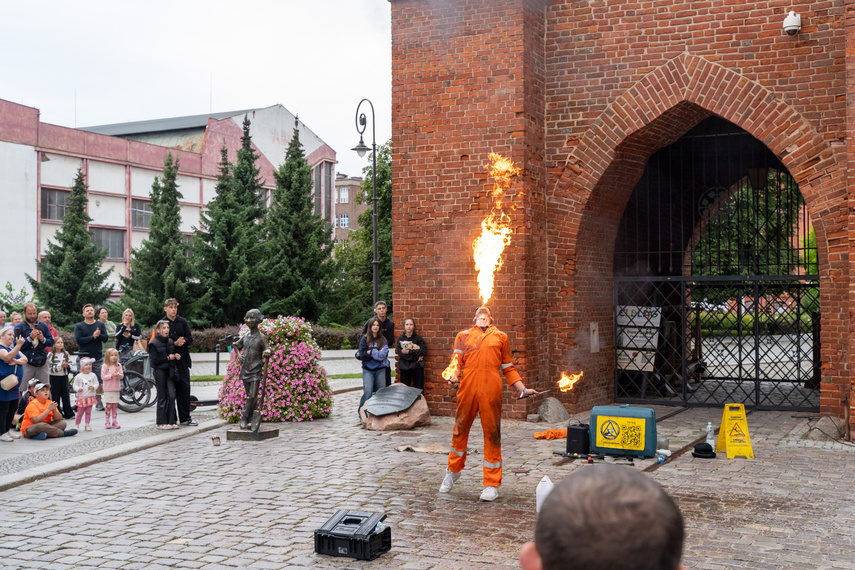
(483, 356)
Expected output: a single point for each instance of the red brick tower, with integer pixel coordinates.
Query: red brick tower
(580, 95)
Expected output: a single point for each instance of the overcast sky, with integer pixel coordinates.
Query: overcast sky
(95, 62)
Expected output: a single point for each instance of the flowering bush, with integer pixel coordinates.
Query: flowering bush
(296, 387)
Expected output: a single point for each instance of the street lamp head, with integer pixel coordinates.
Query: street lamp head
(361, 148)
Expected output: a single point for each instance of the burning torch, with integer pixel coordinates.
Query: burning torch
(565, 384)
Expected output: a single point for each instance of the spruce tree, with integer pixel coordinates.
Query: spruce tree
(160, 268)
(297, 265)
(220, 249)
(71, 272)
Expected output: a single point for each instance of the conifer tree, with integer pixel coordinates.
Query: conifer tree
(71, 272)
(160, 268)
(220, 248)
(297, 265)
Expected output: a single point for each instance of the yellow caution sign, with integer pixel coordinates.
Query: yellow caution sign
(733, 435)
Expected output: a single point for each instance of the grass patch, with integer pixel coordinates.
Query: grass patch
(209, 378)
(345, 376)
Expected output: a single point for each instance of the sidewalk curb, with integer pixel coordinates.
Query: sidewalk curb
(67, 465)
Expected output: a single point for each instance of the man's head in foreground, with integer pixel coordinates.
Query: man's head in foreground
(606, 517)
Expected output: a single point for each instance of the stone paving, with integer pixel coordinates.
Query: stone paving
(190, 504)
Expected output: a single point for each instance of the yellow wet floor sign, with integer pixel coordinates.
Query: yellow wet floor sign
(733, 435)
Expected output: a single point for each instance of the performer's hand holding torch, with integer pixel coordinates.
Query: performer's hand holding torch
(524, 392)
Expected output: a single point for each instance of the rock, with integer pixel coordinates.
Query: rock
(533, 418)
(552, 411)
(828, 428)
(416, 415)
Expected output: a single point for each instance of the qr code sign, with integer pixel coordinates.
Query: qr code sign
(632, 436)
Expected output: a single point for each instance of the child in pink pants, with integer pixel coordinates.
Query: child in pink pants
(111, 376)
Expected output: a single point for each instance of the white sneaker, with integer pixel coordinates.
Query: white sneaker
(6, 437)
(15, 434)
(490, 494)
(449, 480)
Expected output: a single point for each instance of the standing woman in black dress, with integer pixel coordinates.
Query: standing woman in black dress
(411, 350)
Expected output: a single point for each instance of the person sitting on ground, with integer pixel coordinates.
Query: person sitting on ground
(606, 517)
(25, 400)
(42, 419)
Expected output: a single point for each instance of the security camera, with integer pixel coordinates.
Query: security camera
(792, 24)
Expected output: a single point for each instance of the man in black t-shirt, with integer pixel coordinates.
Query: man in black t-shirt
(179, 332)
(387, 327)
(90, 335)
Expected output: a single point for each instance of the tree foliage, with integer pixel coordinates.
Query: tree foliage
(160, 268)
(71, 272)
(228, 247)
(297, 265)
(752, 231)
(354, 288)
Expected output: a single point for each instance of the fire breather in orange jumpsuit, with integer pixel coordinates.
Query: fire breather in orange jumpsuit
(484, 356)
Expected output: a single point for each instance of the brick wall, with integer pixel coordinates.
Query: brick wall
(580, 94)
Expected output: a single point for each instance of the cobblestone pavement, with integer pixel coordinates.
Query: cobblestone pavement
(190, 504)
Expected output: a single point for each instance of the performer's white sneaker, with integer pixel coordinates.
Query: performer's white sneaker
(448, 482)
(490, 494)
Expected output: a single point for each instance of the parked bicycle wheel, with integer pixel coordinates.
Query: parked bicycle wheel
(152, 388)
(134, 394)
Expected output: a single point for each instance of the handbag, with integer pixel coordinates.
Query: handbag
(9, 381)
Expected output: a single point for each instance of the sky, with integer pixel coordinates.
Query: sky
(94, 62)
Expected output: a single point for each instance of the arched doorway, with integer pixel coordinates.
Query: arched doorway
(716, 279)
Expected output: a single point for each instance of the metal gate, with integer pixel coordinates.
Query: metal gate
(716, 289)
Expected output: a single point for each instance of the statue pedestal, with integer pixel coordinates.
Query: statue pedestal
(264, 432)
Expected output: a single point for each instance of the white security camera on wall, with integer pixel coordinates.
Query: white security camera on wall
(792, 23)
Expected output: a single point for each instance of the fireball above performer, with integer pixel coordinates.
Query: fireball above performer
(481, 351)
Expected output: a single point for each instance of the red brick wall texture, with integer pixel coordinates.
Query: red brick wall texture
(580, 94)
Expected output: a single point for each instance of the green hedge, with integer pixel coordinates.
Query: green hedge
(204, 340)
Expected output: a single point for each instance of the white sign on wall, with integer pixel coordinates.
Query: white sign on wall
(632, 315)
(641, 360)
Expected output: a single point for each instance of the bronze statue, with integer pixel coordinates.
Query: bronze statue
(254, 351)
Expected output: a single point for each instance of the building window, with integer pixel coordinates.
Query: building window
(111, 240)
(54, 203)
(328, 190)
(140, 214)
(343, 195)
(344, 221)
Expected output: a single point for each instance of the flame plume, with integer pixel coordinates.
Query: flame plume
(495, 228)
(453, 368)
(568, 382)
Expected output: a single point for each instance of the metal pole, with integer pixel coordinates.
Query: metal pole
(361, 124)
(376, 262)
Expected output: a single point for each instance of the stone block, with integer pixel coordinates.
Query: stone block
(552, 411)
(415, 416)
(264, 432)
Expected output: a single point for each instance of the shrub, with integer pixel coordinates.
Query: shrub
(205, 340)
(296, 387)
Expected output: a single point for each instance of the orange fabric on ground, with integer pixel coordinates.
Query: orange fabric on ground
(551, 434)
(484, 357)
(34, 408)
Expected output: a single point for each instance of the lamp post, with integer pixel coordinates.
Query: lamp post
(361, 149)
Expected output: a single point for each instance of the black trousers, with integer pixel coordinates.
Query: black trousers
(59, 393)
(7, 414)
(165, 397)
(182, 391)
(414, 377)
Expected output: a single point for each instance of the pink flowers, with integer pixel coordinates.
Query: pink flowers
(296, 388)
